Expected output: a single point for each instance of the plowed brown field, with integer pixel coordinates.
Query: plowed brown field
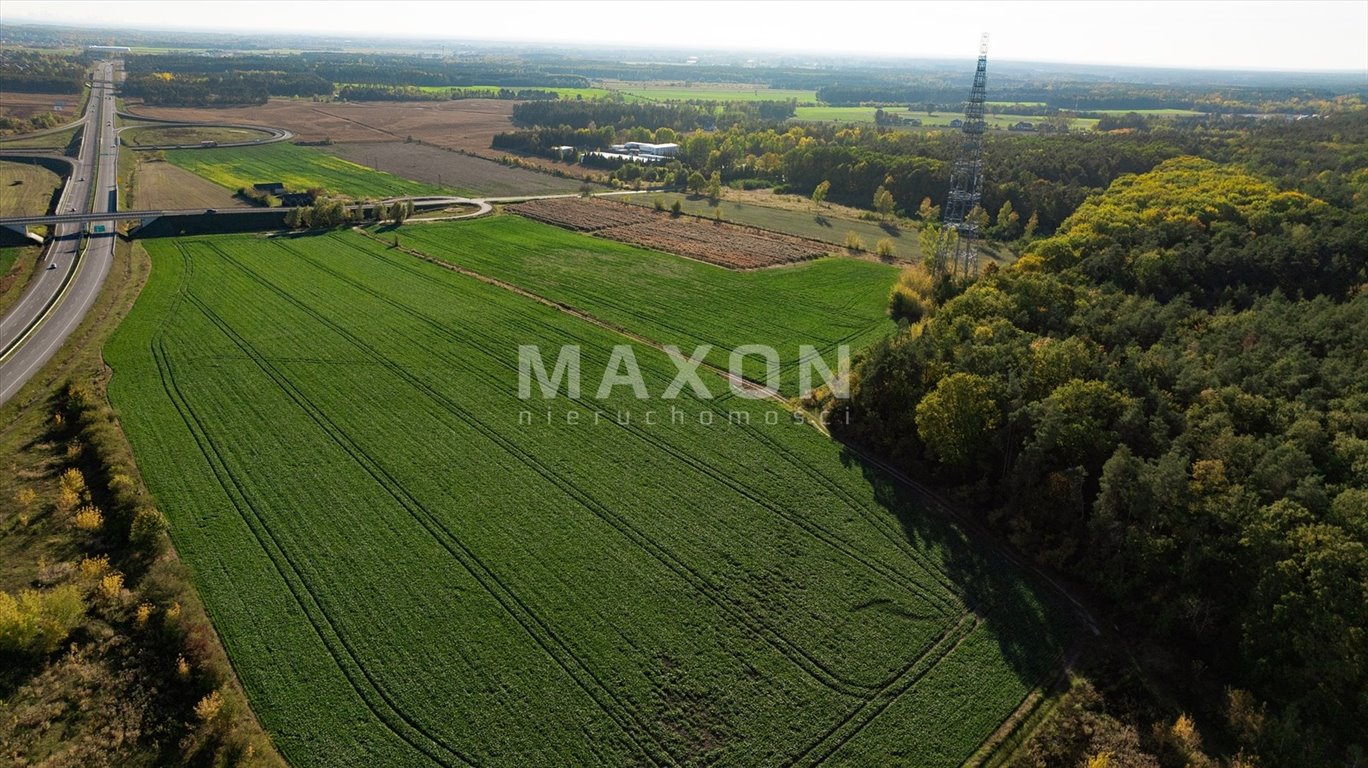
(717, 242)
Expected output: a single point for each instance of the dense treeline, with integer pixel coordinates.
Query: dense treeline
(33, 72)
(166, 89)
(1044, 176)
(678, 117)
(1084, 96)
(414, 93)
(1169, 400)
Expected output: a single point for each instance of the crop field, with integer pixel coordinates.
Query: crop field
(825, 114)
(716, 242)
(404, 573)
(580, 214)
(26, 189)
(15, 104)
(297, 167)
(670, 300)
(674, 91)
(151, 136)
(468, 124)
(461, 174)
(162, 185)
(812, 224)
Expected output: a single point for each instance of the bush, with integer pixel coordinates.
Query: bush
(89, 518)
(884, 249)
(38, 622)
(854, 243)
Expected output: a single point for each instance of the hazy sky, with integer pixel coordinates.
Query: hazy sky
(1292, 35)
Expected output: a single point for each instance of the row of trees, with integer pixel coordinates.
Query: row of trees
(1167, 400)
(679, 117)
(416, 93)
(330, 212)
(168, 89)
(1040, 177)
(1085, 96)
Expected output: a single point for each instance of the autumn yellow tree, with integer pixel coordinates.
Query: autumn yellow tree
(955, 418)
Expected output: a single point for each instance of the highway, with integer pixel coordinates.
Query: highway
(74, 267)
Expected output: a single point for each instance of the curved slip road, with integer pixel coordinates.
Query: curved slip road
(74, 267)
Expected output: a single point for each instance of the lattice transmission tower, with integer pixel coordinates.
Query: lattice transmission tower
(956, 253)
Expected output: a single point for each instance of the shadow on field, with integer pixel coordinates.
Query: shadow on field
(1029, 620)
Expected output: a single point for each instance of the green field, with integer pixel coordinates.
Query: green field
(707, 92)
(823, 303)
(54, 140)
(297, 167)
(404, 574)
(1153, 112)
(26, 189)
(825, 114)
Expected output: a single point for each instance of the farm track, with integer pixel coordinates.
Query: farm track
(387, 711)
(849, 726)
(879, 521)
(535, 626)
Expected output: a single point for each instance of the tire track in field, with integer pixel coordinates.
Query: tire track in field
(368, 127)
(948, 600)
(813, 666)
(406, 727)
(899, 540)
(536, 627)
(858, 719)
(882, 523)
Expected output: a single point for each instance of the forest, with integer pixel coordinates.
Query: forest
(1167, 400)
(35, 72)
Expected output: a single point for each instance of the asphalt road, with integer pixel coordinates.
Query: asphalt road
(58, 297)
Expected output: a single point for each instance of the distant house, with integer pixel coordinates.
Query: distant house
(270, 187)
(1021, 126)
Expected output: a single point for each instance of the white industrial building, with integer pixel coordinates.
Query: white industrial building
(645, 149)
